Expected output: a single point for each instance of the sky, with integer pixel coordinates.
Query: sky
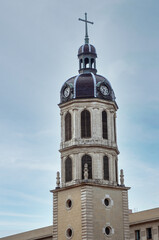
(39, 40)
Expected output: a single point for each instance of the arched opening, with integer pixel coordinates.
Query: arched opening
(81, 63)
(114, 128)
(86, 63)
(116, 170)
(106, 167)
(68, 170)
(85, 124)
(104, 125)
(92, 63)
(87, 159)
(68, 132)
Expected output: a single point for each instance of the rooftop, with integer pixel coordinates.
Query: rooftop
(144, 216)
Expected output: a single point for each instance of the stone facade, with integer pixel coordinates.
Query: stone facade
(88, 215)
(95, 146)
(95, 107)
(137, 221)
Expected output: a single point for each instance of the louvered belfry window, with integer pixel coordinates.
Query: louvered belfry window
(68, 132)
(87, 159)
(68, 170)
(106, 167)
(85, 124)
(104, 125)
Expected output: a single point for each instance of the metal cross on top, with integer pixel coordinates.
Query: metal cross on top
(86, 29)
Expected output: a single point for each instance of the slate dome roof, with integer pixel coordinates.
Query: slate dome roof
(86, 85)
(87, 49)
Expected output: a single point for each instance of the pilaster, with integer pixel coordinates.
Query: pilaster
(87, 212)
(125, 215)
(55, 216)
(112, 125)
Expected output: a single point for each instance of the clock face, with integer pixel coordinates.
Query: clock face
(104, 90)
(66, 92)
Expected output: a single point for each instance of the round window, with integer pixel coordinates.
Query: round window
(107, 230)
(106, 202)
(69, 232)
(69, 203)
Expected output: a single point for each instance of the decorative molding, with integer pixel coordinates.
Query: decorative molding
(73, 145)
(111, 202)
(87, 212)
(74, 109)
(69, 237)
(79, 102)
(110, 228)
(84, 150)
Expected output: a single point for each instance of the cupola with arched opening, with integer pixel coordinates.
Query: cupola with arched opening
(87, 58)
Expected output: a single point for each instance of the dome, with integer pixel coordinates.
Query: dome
(87, 49)
(87, 85)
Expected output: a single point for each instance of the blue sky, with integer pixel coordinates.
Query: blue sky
(39, 40)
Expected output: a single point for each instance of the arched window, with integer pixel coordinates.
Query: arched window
(68, 170)
(86, 63)
(116, 170)
(104, 125)
(87, 159)
(85, 124)
(68, 132)
(106, 167)
(114, 128)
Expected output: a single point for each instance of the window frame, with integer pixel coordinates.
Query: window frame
(68, 170)
(116, 170)
(114, 119)
(85, 124)
(104, 125)
(106, 168)
(68, 126)
(137, 234)
(149, 233)
(88, 160)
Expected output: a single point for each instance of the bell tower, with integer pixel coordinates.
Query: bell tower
(89, 202)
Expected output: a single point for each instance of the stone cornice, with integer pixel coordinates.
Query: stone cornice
(89, 146)
(88, 100)
(144, 221)
(81, 184)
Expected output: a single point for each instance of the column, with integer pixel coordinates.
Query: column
(62, 128)
(75, 127)
(109, 126)
(112, 124)
(96, 123)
